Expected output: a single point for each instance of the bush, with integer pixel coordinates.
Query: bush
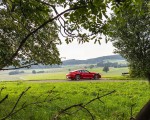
(21, 72)
(13, 72)
(106, 68)
(40, 72)
(33, 72)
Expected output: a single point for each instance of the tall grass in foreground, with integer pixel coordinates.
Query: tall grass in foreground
(115, 106)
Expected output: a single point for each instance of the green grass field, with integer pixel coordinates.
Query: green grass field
(41, 103)
(60, 73)
(46, 76)
(116, 106)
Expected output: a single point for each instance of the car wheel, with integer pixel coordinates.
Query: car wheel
(77, 77)
(96, 77)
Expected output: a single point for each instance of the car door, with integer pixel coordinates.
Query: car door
(89, 75)
(85, 74)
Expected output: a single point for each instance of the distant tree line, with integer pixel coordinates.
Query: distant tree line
(106, 64)
(40, 66)
(15, 72)
(92, 60)
(34, 72)
(110, 64)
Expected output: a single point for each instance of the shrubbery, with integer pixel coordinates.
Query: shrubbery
(15, 72)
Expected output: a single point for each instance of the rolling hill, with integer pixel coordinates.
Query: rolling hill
(92, 60)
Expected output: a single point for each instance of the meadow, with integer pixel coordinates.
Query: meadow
(44, 100)
(60, 74)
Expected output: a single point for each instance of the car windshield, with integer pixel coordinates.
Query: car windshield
(85, 71)
(74, 71)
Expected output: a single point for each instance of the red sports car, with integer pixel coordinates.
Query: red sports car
(82, 74)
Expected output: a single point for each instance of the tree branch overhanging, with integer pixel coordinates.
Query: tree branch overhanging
(18, 100)
(4, 99)
(81, 106)
(26, 66)
(24, 105)
(23, 41)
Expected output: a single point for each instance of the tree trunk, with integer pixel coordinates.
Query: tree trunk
(144, 113)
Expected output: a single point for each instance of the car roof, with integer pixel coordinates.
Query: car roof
(78, 70)
(74, 70)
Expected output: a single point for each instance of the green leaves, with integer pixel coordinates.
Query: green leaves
(66, 14)
(80, 20)
(130, 35)
(26, 17)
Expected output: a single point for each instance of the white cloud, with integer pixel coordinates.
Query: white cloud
(86, 50)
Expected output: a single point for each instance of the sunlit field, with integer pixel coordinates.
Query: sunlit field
(116, 106)
(44, 100)
(46, 76)
(60, 73)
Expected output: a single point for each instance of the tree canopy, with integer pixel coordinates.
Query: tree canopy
(31, 29)
(106, 68)
(131, 37)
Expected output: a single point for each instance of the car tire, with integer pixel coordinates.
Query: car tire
(96, 77)
(77, 77)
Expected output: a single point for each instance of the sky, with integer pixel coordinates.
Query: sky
(85, 51)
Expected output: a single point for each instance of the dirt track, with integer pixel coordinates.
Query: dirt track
(55, 81)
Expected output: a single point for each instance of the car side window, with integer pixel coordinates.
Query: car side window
(86, 71)
(81, 71)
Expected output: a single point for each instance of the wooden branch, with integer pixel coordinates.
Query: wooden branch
(70, 107)
(131, 113)
(99, 97)
(63, 26)
(11, 112)
(56, 117)
(92, 117)
(81, 105)
(4, 99)
(51, 91)
(38, 28)
(2, 90)
(24, 105)
(26, 66)
(144, 113)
